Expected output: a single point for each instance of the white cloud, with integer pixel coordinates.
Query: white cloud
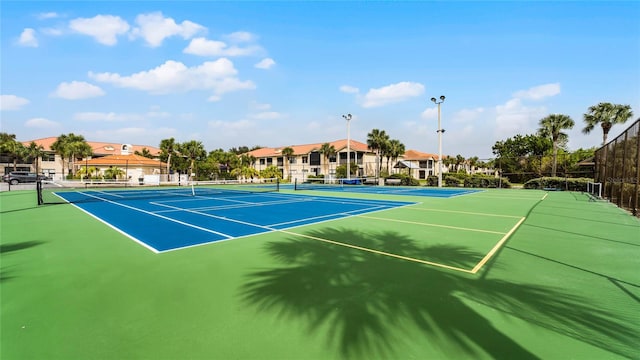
(154, 28)
(203, 47)
(467, 115)
(52, 31)
(240, 36)
(118, 117)
(106, 117)
(267, 115)
(104, 28)
(430, 113)
(47, 15)
(233, 126)
(539, 92)
(12, 102)
(266, 63)
(392, 94)
(515, 118)
(77, 90)
(28, 38)
(258, 106)
(349, 89)
(41, 123)
(173, 76)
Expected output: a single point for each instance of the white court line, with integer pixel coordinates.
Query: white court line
(218, 217)
(345, 213)
(238, 206)
(156, 215)
(279, 230)
(433, 225)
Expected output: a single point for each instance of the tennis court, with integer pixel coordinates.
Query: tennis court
(319, 275)
(358, 186)
(176, 218)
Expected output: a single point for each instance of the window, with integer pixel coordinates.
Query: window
(261, 161)
(49, 157)
(305, 159)
(423, 164)
(314, 158)
(269, 161)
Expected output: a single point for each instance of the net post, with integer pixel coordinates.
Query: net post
(39, 192)
(295, 184)
(278, 184)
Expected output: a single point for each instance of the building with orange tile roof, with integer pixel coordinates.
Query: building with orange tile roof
(308, 160)
(132, 166)
(52, 165)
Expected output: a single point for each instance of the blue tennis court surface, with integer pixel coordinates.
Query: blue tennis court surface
(173, 222)
(389, 190)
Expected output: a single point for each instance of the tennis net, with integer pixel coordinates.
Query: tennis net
(327, 184)
(51, 192)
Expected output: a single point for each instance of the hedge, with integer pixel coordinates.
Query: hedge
(558, 183)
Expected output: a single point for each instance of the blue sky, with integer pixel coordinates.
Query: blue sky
(283, 73)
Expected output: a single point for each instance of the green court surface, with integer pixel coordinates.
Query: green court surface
(502, 274)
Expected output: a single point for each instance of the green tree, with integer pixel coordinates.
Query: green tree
(194, 151)
(271, 172)
(606, 115)
(145, 152)
(168, 148)
(394, 149)
(35, 152)
(69, 146)
(459, 161)
(287, 153)
(15, 149)
(327, 150)
(520, 156)
(376, 141)
(113, 173)
(551, 127)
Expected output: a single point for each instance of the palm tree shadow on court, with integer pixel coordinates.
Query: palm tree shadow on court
(366, 300)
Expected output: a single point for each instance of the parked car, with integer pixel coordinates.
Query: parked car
(16, 177)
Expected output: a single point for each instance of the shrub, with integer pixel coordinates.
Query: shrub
(405, 179)
(486, 181)
(558, 183)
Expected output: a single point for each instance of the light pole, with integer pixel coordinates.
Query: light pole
(348, 118)
(440, 132)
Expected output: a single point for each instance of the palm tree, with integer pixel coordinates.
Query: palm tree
(376, 141)
(35, 151)
(473, 163)
(78, 147)
(395, 149)
(551, 127)
(9, 145)
(607, 115)
(69, 146)
(168, 149)
(327, 150)
(113, 173)
(193, 150)
(287, 153)
(60, 148)
(145, 152)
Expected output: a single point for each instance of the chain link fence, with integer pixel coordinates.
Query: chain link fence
(617, 168)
